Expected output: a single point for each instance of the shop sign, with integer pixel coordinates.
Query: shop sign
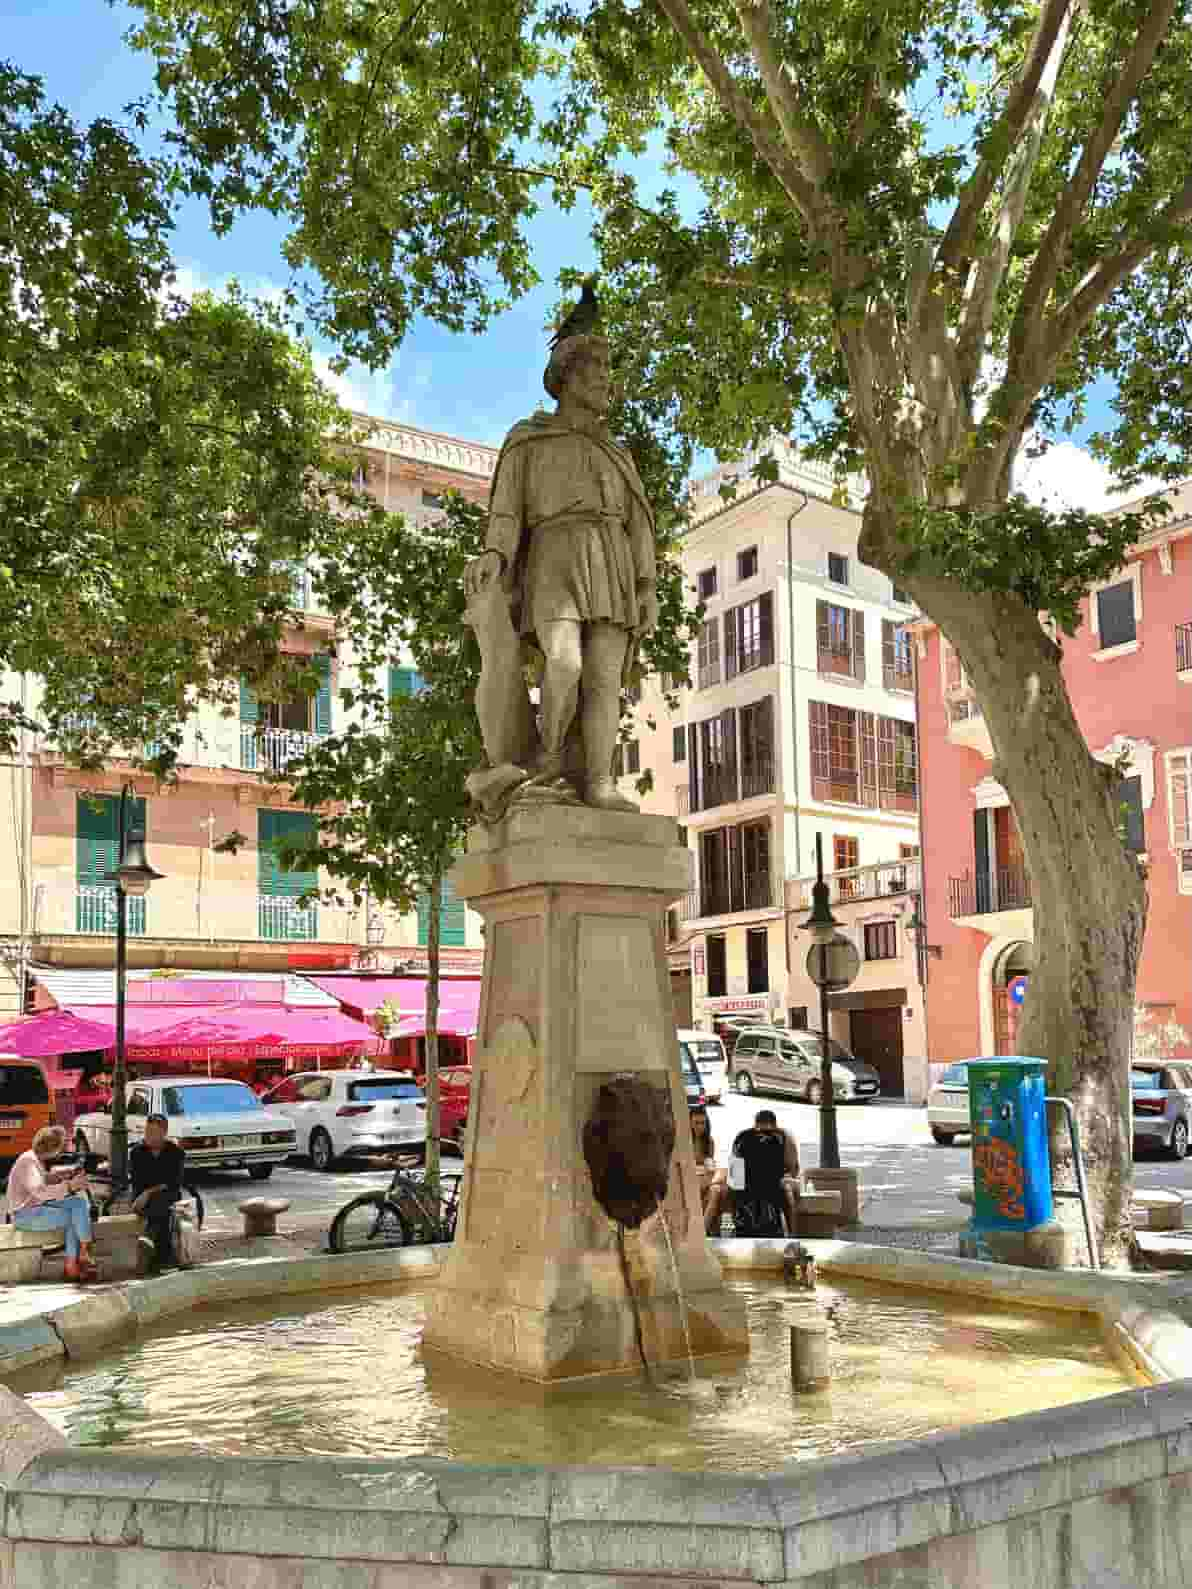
(736, 1003)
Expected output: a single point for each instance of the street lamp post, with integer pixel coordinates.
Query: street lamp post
(832, 962)
(132, 878)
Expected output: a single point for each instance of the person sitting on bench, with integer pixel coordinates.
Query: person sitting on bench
(771, 1158)
(41, 1198)
(155, 1169)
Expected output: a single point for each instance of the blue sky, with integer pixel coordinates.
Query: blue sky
(469, 386)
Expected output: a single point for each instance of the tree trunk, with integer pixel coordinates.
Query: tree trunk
(433, 930)
(1088, 894)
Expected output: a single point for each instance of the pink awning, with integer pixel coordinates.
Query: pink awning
(239, 1031)
(56, 1032)
(459, 1001)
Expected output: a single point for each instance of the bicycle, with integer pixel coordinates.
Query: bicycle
(401, 1216)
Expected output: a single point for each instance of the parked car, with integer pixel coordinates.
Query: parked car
(948, 1104)
(1162, 1095)
(25, 1106)
(455, 1085)
(778, 1059)
(220, 1125)
(693, 1084)
(708, 1052)
(344, 1114)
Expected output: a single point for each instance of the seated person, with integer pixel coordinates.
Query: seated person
(710, 1178)
(771, 1165)
(43, 1198)
(155, 1168)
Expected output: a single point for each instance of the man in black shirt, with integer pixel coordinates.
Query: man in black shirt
(771, 1167)
(155, 1167)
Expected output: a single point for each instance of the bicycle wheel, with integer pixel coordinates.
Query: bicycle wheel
(368, 1223)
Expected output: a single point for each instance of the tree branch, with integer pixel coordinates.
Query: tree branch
(802, 136)
(801, 190)
(1003, 136)
(1052, 251)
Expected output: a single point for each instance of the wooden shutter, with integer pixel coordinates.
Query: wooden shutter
(867, 758)
(983, 892)
(273, 879)
(736, 870)
(821, 761)
(249, 708)
(452, 918)
(1127, 800)
(97, 842)
(323, 698)
(857, 626)
(693, 769)
(823, 631)
(766, 627)
(730, 643)
(889, 654)
(728, 729)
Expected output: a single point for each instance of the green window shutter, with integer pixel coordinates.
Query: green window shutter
(452, 919)
(249, 710)
(97, 826)
(404, 681)
(323, 698)
(273, 827)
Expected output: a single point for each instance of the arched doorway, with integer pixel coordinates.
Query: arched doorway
(1015, 960)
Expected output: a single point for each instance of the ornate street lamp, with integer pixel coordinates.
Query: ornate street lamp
(132, 878)
(832, 963)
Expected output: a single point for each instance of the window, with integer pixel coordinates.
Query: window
(301, 714)
(881, 940)
(404, 681)
(844, 853)
(798, 1016)
(1179, 797)
(708, 652)
(908, 852)
(97, 852)
(452, 918)
(138, 1103)
(837, 568)
(898, 668)
(432, 499)
(755, 859)
(717, 739)
(315, 1089)
(706, 583)
(735, 869)
(747, 563)
(360, 476)
(279, 887)
(757, 748)
(1115, 620)
(679, 743)
(633, 758)
(757, 960)
(1127, 799)
(717, 966)
(749, 636)
(840, 640)
(858, 758)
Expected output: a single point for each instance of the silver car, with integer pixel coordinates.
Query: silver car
(781, 1060)
(1162, 1095)
(708, 1052)
(948, 1104)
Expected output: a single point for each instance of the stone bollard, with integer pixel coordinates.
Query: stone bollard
(260, 1215)
(809, 1355)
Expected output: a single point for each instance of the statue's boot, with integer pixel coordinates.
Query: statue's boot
(602, 793)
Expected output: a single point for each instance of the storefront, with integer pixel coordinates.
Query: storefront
(398, 1006)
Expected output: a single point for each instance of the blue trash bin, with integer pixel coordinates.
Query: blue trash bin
(1011, 1161)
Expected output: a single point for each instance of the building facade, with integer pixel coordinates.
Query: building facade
(212, 909)
(798, 725)
(1129, 673)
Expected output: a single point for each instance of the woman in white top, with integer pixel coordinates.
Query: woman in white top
(42, 1198)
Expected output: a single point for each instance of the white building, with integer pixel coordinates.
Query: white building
(799, 723)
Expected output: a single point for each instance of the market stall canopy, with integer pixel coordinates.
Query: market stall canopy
(459, 1001)
(238, 1031)
(57, 1032)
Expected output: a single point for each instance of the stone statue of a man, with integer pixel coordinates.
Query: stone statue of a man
(571, 563)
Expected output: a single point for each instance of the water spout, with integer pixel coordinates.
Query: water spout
(680, 1298)
(633, 1302)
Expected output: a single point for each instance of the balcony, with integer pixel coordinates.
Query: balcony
(283, 920)
(842, 663)
(1183, 652)
(1004, 889)
(717, 787)
(95, 911)
(757, 778)
(898, 678)
(272, 749)
(707, 674)
(966, 722)
(754, 891)
(859, 883)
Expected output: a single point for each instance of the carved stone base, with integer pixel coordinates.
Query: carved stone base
(539, 1281)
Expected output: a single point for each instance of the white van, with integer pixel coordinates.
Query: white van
(708, 1052)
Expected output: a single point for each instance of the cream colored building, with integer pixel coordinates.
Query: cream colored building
(217, 910)
(799, 723)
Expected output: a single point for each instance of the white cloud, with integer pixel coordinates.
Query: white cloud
(364, 391)
(1068, 476)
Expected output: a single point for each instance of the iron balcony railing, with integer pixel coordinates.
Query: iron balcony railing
(272, 749)
(717, 787)
(753, 891)
(1004, 888)
(1183, 647)
(280, 919)
(860, 882)
(95, 911)
(896, 678)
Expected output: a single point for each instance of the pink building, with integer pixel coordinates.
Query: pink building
(1129, 672)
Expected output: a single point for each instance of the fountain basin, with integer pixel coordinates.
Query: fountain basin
(1098, 1492)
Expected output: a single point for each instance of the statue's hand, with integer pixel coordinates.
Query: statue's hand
(481, 571)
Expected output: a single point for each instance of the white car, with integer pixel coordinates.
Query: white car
(343, 1114)
(948, 1105)
(219, 1125)
(708, 1052)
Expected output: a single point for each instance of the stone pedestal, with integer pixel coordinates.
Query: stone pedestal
(576, 992)
(847, 1183)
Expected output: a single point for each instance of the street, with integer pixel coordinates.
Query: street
(906, 1179)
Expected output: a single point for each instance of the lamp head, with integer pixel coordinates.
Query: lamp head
(134, 874)
(821, 924)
